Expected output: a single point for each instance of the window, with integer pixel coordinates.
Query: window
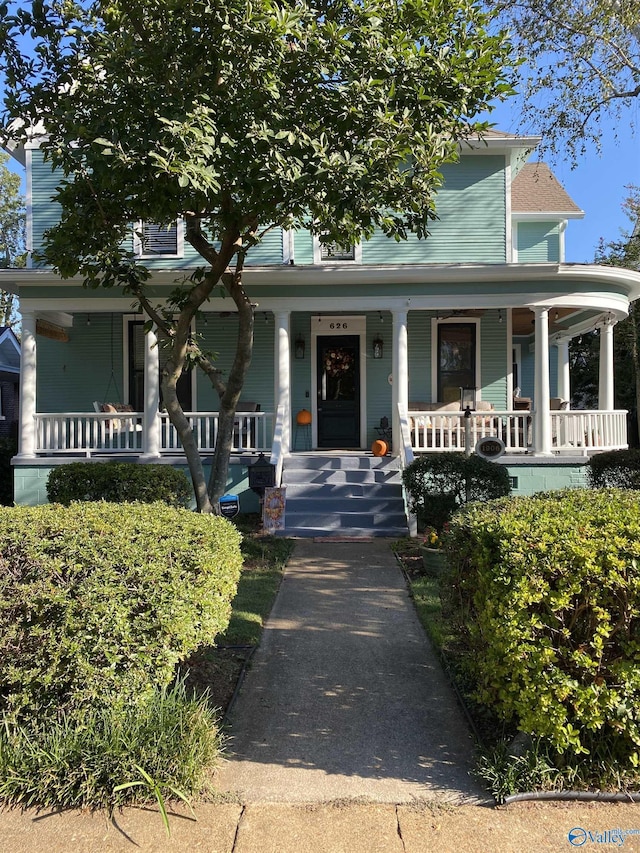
(324, 253)
(151, 240)
(456, 359)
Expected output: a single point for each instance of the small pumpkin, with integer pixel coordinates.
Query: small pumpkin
(303, 418)
(379, 447)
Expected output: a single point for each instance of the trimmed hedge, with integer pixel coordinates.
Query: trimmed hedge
(98, 602)
(117, 482)
(547, 597)
(440, 483)
(617, 469)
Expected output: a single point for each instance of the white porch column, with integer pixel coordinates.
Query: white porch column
(605, 378)
(542, 421)
(400, 375)
(283, 375)
(564, 379)
(151, 421)
(27, 438)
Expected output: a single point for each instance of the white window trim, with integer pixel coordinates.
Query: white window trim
(318, 260)
(138, 247)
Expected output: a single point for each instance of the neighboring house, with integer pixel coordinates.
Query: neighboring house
(9, 382)
(354, 335)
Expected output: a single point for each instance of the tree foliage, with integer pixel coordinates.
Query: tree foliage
(584, 350)
(582, 62)
(12, 235)
(239, 117)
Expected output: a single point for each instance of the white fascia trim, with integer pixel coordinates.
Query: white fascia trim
(9, 335)
(548, 216)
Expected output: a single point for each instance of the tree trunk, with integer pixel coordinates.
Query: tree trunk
(235, 383)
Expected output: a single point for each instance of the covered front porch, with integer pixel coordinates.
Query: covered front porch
(365, 352)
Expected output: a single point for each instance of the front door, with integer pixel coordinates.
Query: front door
(339, 391)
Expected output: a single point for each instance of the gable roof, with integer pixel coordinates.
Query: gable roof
(536, 190)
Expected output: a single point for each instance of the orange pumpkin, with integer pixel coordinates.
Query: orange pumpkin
(303, 418)
(379, 447)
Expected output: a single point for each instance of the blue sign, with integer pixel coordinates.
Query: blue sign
(229, 506)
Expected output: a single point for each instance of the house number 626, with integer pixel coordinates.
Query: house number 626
(338, 326)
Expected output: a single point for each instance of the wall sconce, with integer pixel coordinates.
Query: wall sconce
(378, 347)
(299, 347)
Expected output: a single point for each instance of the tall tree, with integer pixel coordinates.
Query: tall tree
(582, 62)
(12, 235)
(237, 117)
(625, 252)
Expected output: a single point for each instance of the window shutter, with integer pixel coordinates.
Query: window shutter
(336, 252)
(158, 239)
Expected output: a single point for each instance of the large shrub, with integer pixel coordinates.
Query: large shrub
(440, 483)
(116, 482)
(547, 595)
(617, 469)
(100, 601)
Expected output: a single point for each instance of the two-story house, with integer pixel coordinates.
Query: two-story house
(377, 341)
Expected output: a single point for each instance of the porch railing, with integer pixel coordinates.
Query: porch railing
(572, 431)
(584, 430)
(252, 432)
(90, 433)
(444, 431)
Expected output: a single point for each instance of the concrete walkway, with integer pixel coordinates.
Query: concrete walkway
(346, 739)
(345, 698)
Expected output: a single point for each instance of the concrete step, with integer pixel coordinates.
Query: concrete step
(389, 490)
(352, 496)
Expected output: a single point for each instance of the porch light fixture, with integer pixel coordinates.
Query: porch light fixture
(378, 347)
(499, 315)
(299, 347)
(467, 399)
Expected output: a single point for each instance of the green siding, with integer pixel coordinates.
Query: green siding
(219, 336)
(379, 392)
(493, 360)
(419, 345)
(538, 242)
(471, 224)
(45, 212)
(72, 375)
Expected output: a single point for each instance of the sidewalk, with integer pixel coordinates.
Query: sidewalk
(345, 739)
(345, 697)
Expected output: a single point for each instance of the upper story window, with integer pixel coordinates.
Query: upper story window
(327, 253)
(151, 240)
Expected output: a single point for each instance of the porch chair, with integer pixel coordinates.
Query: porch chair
(121, 422)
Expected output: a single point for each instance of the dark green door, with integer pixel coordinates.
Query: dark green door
(339, 391)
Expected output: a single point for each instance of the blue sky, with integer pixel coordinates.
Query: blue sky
(597, 184)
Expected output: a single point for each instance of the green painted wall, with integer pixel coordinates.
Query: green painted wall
(45, 214)
(471, 220)
(534, 478)
(72, 375)
(470, 227)
(538, 242)
(30, 483)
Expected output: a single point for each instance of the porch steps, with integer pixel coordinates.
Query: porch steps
(350, 496)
